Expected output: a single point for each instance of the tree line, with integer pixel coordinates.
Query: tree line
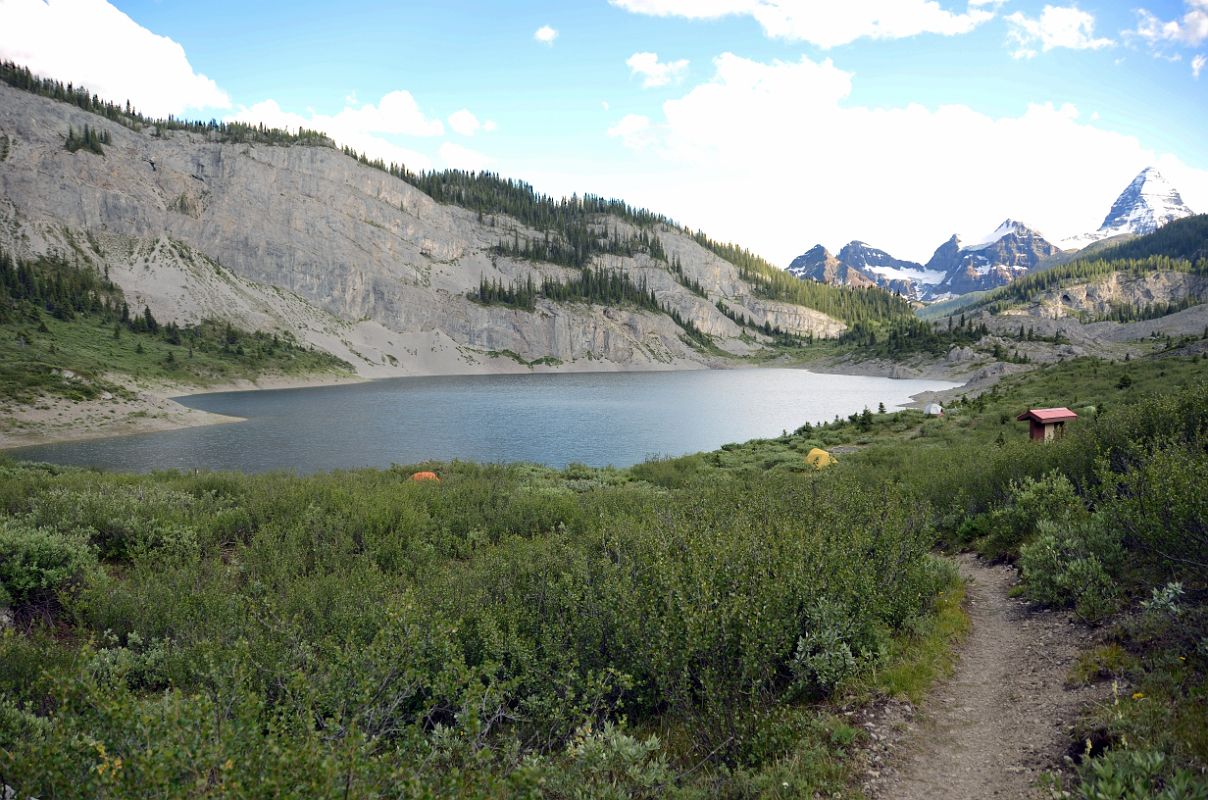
(781, 336)
(576, 247)
(60, 289)
(594, 285)
(850, 304)
(69, 292)
(1184, 238)
(573, 238)
(572, 223)
(127, 116)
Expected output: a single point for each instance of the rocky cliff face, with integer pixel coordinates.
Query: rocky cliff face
(1100, 298)
(345, 256)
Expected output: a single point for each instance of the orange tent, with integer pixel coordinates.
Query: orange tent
(425, 476)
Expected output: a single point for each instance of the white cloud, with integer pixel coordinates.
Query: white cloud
(1057, 26)
(817, 168)
(456, 156)
(1191, 29)
(1197, 65)
(827, 23)
(634, 130)
(654, 72)
(363, 128)
(465, 123)
(692, 9)
(90, 42)
(546, 35)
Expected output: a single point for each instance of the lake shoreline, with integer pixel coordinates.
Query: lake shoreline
(151, 408)
(155, 408)
(971, 378)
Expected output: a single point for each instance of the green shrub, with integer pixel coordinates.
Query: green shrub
(608, 764)
(1137, 775)
(37, 564)
(974, 528)
(823, 658)
(125, 521)
(1094, 591)
(1051, 498)
(1070, 565)
(1161, 507)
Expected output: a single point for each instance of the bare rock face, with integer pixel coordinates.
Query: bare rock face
(1100, 298)
(346, 257)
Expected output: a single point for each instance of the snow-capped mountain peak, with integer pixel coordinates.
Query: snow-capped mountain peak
(1148, 203)
(1008, 227)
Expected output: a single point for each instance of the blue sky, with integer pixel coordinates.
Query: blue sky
(774, 123)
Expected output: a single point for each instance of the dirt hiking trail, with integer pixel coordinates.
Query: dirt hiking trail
(1002, 719)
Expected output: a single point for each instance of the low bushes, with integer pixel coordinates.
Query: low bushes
(511, 627)
(38, 565)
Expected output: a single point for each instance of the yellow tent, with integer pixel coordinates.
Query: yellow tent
(819, 459)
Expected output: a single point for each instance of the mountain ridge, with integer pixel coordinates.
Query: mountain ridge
(1012, 250)
(382, 271)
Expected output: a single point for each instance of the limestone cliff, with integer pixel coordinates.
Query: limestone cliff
(1099, 298)
(345, 256)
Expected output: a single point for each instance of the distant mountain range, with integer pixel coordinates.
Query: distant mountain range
(1012, 250)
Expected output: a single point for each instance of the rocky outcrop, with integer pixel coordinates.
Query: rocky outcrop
(1101, 298)
(346, 257)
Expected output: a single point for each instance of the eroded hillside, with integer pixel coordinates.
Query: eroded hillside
(350, 258)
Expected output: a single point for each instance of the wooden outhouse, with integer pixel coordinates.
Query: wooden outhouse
(1047, 424)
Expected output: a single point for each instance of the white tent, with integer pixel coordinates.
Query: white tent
(933, 410)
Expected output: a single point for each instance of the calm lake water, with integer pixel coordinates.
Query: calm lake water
(596, 419)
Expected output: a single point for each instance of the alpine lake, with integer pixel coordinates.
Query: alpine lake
(596, 419)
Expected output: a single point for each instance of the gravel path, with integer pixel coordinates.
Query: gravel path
(1001, 720)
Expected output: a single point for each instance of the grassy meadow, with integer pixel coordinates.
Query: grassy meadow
(684, 628)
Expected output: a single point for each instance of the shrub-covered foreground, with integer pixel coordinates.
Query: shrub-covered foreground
(508, 630)
(677, 629)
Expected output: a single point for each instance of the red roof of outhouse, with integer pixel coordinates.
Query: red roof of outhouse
(1047, 415)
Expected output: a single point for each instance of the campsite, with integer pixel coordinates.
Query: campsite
(603, 630)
